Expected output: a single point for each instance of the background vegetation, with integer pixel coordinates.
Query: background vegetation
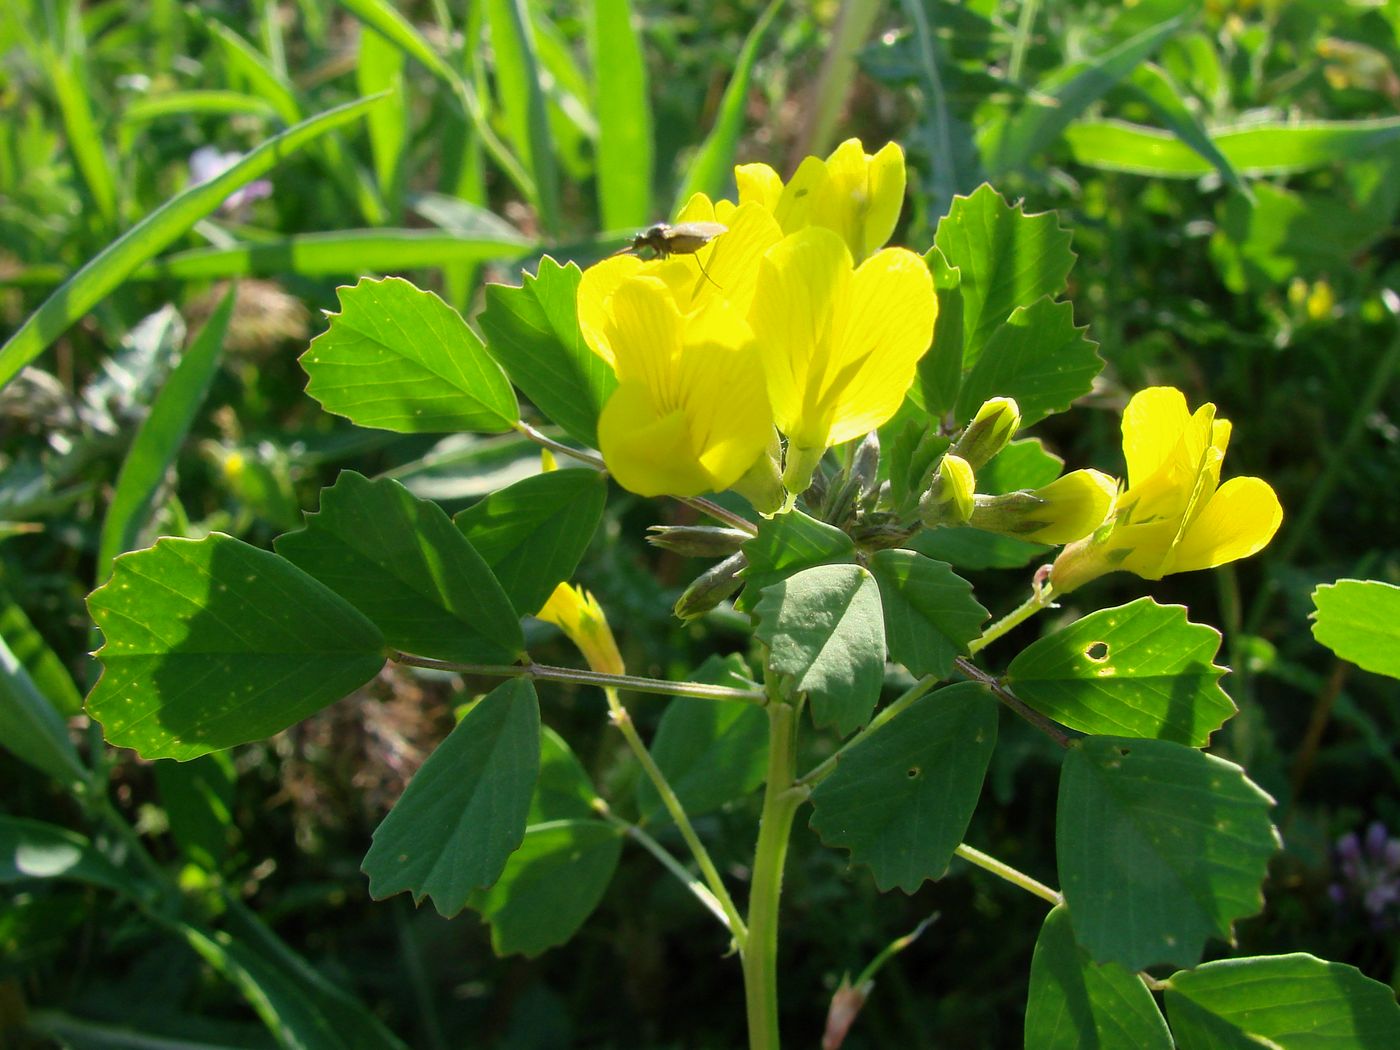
(1229, 171)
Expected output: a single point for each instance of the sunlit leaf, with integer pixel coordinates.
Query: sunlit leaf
(1359, 620)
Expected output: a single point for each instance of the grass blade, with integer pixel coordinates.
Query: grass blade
(67, 73)
(522, 100)
(380, 68)
(110, 267)
(197, 103)
(710, 171)
(624, 116)
(158, 441)
(1166, 100)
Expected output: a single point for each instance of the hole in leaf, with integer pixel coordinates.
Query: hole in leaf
(913, 772)
(1098, 652)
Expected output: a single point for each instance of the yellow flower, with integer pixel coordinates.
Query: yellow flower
(854, 193)
(1174, 516)
(689, 414)
(730, 260)
(577, 613)
(839, 343)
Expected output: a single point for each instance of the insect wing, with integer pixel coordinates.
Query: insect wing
(686, 238)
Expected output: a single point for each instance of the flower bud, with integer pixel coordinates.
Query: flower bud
(711, 587)
(578, 614)
(697, 541)
(949, 499)
(865, 464)
(1063, 511)
(989, 432)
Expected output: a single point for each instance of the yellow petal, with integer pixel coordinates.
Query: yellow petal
(595, 292)
(758, 184)
(1239, 520)
(730, 262)
(644, 329)
(1075, 505)
(647, 448)
(887, 180)
(878, 342)
(699, 208)
(803, 281)
(795, 204)
(1153, 424)
(726, 403)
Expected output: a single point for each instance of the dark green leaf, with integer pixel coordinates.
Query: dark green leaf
(563, 790)
(1293, 1002)
(46, 670)
(969, 548)
(1023, 464)
(532, 331)
(1078, 1004)
(31, 849)
(711, 751)
(464, 812)
(1158, 831)
(1168, 101)
(1038, 357)
(1005, 259)
(551, 884)
(787, 544)
(824, 627)
(212, 643)
(533, 533)
(939, 373)
(158, 441)
(930, 614)
(901, 799)
(198, 801)
(399, 560)
(1140, 670)
(30, 726)
(1359, 620)
(401, 359)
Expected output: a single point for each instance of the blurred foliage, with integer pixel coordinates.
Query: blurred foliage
(1278, 304)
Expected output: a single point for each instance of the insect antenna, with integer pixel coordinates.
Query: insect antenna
(705, 272)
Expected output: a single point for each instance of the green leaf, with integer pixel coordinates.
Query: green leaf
(399, 560)
(31, 849)
(1038, 357)
(212, 643)
(787, 544)
(711, 751)
(45, 669)
(1066, 93)
(336, 253)
(940, 370)
(110, 267)
(914, 451)
(68, 73)
(900, 800)
(1023, 464)
(532, 331)
(1167, 100)
(158, 440)
(969, 548)
(401, 359)
(563, 790)
(930, 614)
(198, 801)
(30, 726)
(379, 67)
(624, 115)
(532, 533)
(522, 103)
(1005, 259)
(1078, 1004)
(711, 170)
(550, 885)
(463, 814)
(1359, 620)
(1140, 670)
(1256, 149)
(1292, 1002)
(824, 627)
(195, 103)
(1175, 839)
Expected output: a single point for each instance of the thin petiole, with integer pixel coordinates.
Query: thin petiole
(1002, 870)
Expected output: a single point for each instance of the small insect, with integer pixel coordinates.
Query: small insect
(684, 238)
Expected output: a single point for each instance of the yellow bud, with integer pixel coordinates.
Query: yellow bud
(1321, 301)
(1065, 510)
(577, 613)
(989, 432)
(949, 499)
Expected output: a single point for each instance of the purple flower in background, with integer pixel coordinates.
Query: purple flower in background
(208, 162)
(1369, 874)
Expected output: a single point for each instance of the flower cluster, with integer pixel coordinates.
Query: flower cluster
(794, 318)
(1369, 874)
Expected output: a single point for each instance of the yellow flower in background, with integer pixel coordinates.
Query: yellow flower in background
(730, 260)
(1174, 516)
(856, 194)
(577, 613)
(839, 343)
(690, 414)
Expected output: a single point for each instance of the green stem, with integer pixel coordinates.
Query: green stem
(548, 673)
(623, 720)
(1040, 597)
(1020, 43)
(694, 885)
(781, 799)
(1005, 871)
